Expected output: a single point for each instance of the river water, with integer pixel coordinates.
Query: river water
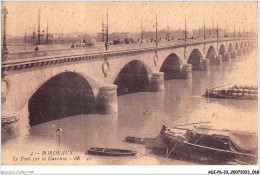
(142, 114)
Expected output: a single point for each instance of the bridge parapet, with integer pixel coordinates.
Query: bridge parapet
(95, 50)
(38, 59)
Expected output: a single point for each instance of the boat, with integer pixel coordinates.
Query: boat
(224, 95)
(235, 92)
(211, 143)
(110, 152)
(132, 139)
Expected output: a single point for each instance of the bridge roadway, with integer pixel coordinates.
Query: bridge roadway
(15, 52)
(63, 50)
(26, 72)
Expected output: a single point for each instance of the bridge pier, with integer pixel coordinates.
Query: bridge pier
(9, 125)
(107, 99)
(218, 59)
(234, 54)
(186, 71)
(15, 124)
(157, 82)
(228, 56)
(239, 52)
(205, 65)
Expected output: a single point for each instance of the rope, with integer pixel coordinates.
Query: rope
(172, 149)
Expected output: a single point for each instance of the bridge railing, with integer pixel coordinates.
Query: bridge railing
(98, 50)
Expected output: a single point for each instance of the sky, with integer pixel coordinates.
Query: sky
(126, 16)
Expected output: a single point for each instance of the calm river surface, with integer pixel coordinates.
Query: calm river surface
(143, 114)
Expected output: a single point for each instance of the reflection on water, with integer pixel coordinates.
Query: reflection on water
(143, 114)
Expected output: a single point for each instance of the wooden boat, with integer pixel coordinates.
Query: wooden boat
(225, 95)
(110, 152)
(235, 92)
(132, 139)
(210, 143)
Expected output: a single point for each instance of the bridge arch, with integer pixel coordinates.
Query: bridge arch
(230, 47)
(38, 79)
(236, 46)
(211, 53)
(195, 59)
(241, 45)
(222, 51)
(171, 67)
(133, 77)
(65, 94)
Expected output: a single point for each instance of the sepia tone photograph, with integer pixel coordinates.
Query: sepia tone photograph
(129, 83)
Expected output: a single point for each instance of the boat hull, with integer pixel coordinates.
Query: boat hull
(211, 95)
(184, 148)
(138, 140)
(111, 152)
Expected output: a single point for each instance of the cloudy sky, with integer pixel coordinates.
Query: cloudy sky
(126, 16)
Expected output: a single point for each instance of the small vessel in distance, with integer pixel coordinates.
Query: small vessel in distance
(110, 152)
(235, 92)
(132, 139)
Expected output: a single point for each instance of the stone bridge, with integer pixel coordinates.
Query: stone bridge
(64, 85)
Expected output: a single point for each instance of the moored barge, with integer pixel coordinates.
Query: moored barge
(235, 92)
